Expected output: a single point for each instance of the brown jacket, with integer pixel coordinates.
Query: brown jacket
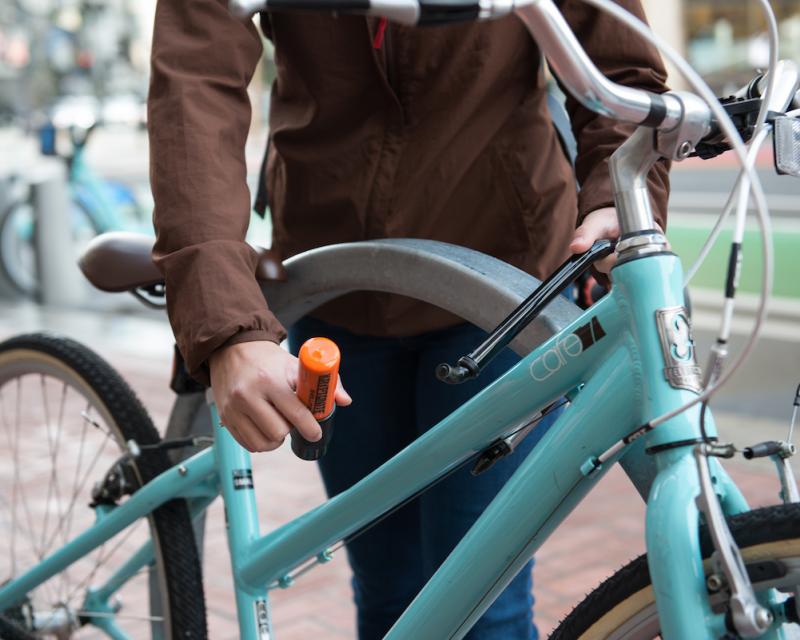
(440, 133)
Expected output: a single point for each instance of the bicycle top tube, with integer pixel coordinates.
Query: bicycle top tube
(548, 27)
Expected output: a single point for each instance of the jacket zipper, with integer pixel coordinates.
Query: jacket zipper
(391, 70)
(388, 59)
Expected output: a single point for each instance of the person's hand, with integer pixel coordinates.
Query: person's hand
(254, 388)
(600, 224)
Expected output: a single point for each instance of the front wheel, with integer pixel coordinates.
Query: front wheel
(623, 607)
(65, 419)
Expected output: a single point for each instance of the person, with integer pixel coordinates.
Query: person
(376, 131)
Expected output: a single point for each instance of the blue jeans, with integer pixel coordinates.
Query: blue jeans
(396, 398)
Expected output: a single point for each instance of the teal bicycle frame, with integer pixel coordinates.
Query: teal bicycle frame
(619, 364)
(609, 362)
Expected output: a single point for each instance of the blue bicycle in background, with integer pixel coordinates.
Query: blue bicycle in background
(97, 205)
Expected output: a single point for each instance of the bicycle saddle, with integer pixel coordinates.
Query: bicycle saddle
(122, 261)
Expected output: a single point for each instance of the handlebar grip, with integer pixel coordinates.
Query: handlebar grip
(246, 8)
(317, 378)
(402, 11)
(408, 12)
(787, 83)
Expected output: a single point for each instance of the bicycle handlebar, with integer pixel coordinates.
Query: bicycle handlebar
(585, 82)
(549, 28)
(745, 105)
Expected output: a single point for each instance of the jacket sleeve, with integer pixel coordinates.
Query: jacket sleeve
(625, 58)
(198, 120)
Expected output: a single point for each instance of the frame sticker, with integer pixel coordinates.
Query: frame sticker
(677, 345)
(262, 619)
(242, 479)
(571, 346)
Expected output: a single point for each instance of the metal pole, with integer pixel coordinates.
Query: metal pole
(59, 277)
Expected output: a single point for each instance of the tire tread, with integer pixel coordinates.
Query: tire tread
(183, 573)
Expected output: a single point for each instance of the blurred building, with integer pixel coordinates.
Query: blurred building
(100, 48)
(725, 40)
(55, 48)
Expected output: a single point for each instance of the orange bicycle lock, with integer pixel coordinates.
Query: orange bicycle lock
(317, 378)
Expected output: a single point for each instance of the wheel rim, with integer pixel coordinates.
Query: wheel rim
(58, 440)
(17, 243)
(636, 617)
(17, 253)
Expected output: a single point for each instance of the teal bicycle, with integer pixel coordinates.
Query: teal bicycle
(626, 367)
(96, 205)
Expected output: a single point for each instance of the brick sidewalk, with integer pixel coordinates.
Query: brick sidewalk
(603, 533)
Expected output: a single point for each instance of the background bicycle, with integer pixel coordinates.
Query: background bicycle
(96, 205)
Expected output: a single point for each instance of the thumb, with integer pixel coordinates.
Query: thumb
(600, 223)
(581, 240)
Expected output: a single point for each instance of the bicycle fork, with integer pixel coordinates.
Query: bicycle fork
(691, 487)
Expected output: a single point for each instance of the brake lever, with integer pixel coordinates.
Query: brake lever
(471, 365)
(743, 113)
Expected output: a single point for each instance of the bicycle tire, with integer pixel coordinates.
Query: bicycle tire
(18, 276)
(623, 606)
(176, 561)
(11, 631)
(12, 274)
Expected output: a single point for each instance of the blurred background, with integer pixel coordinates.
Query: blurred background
(73, 153)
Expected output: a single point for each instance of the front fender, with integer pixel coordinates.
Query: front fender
(479, 288)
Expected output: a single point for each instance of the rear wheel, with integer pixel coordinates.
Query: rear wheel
(65, 417)
(18, 243)
(623, 607)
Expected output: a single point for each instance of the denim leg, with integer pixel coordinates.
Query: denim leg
(379, 375)
(396, 398)
(451, 507)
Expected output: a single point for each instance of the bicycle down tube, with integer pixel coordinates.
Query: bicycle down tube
(495, 412)
(609, 349)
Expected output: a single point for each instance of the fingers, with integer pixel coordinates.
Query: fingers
(254, 386)
(247, 434)
(341, 396)
(605, 265)
(598, 225)
(272, 420)
(297, 414)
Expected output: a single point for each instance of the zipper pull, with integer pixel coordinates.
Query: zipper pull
(377, 42)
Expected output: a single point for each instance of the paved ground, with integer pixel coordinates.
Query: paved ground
(601, 535)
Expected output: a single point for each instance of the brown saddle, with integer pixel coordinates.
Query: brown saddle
(122, 261)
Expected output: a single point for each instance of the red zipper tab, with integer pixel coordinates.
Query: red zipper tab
(377, 43)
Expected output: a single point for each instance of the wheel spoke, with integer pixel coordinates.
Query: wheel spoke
(18, 495)
(57, 448)
(55, 418)
(81, 485)
(15, 454)
(101, 559)
(14, 490)
(103, 614)
(84, 427)
(52, 479)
